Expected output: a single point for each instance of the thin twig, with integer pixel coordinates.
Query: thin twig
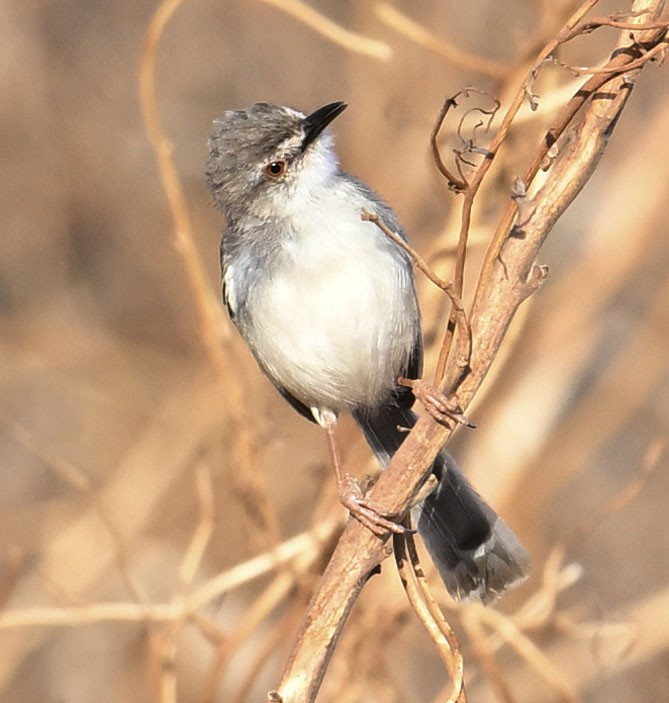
(615, 70)
(212, 327)
(167, 647)
(486, 656)
(306, 545)
(79, 481)
(203, 531)
(519, 641)
(620, 501)
(254, 616)
(469, 191)
(355, 43)
(598, 22)
(209, 312)
(421, 36)
(473, 186)
(274, 639)
(427, 611)
(463, 353)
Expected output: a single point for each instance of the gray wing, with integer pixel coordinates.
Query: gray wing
(229, 295)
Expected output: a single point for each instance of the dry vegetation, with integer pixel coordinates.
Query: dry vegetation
(165, 517)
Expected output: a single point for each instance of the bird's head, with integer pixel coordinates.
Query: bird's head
(269, 159)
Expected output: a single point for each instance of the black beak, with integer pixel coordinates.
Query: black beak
(318, 120)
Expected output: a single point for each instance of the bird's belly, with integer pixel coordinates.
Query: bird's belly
(336, 337)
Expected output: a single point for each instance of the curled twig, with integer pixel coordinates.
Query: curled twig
(469, 144)
(351, 41)
(457, 185)
(417, 33)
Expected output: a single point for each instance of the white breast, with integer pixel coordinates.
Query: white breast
(336, 325)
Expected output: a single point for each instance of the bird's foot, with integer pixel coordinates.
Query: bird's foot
(436, 402)
(364, 511)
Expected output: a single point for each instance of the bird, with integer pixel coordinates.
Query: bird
(327, 304)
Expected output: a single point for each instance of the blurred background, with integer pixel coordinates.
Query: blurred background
(137, 471)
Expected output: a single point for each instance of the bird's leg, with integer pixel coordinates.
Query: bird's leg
(438, 404)
(350, 493)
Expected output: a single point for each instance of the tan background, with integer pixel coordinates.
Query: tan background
(110, 408)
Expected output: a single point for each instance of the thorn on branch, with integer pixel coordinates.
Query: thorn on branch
(523, 205)
(538, 274)
(532, 97)
(550, 157)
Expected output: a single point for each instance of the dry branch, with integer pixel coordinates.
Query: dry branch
(439, 631)
(213, 327)
(332, 31)
(418, 34)
(509, 277)
(300, 553)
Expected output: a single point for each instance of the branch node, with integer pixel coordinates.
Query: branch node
(552, 154)
(538, 275)
(523, 205)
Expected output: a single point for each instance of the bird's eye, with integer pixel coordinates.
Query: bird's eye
(275, 169)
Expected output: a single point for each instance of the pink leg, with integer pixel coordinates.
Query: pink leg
(350, 494)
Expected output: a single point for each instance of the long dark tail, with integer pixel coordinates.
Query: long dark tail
(476, 554)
